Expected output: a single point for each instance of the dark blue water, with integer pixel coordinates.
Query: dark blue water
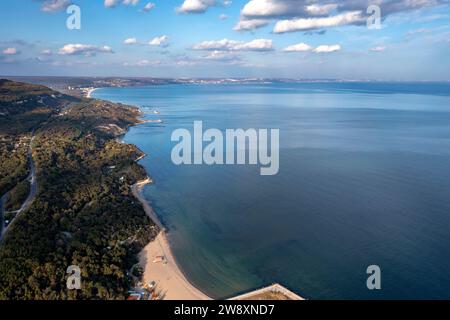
(364, 179)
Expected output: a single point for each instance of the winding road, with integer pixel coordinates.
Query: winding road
(26, 204)
(2, 223)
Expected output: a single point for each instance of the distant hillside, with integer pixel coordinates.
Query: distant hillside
(24, 106)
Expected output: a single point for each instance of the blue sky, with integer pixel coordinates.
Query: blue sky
(220, 38)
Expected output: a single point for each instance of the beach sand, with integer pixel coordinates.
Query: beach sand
(169, 279)
(136, 189)
(90, 92)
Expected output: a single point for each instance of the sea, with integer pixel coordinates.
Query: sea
(364, 179)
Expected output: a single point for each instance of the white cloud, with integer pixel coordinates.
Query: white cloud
(159, 41)
(113, 3)
(303, 47)
(54, 5)
(10, 51)
(351, 17)
(195, 6)
(325, 9)
(267, 8)
(149, 6)
(130, 41)
(327, 48)
(130, 2)
(46, 52)
(251, 24)
(306, 8)
(256, 45)
(221, 56)
(300, 47)
(378, 49)
(223, 17)
(83, 49)
(233, 45)
(259, 13)
(298, 15)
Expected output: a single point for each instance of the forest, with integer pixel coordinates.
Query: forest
(84, 213)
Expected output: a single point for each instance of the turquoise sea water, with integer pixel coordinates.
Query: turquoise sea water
(364, 179)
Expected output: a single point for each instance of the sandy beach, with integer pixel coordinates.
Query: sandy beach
(136, 189)
(90, 91)
(169, 279)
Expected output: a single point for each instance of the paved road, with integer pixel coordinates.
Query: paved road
(2, 223)
(31, 195)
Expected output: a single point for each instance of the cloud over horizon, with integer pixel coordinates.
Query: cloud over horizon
(130, 41)
(327, 48)
(233, 45)
(303, 47)
(300, 47)
(301, 15)
(352, 17)
(161, 41)
(10, 51)
(288, 38)
(83, 49)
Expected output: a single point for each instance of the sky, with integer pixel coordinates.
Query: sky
(303, 39)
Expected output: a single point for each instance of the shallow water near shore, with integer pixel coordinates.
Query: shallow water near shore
(364, 179)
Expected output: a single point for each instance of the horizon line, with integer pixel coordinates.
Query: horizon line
(224, 78)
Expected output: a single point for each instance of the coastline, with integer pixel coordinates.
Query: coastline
(169, 278)
(167, 275)
(160, 268)
(136, 189)
(90, 92)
